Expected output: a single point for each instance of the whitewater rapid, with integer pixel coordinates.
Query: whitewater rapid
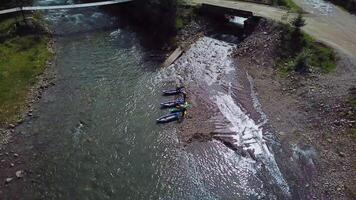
(208, 65)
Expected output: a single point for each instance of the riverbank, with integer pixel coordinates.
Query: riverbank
(94, 147)
(26, 51)
(308, 113)
(26, 68)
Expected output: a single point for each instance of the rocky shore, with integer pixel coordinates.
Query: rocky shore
(307, 112)
(12, 162)
(45, 80)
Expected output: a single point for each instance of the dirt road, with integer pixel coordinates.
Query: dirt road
(325, 22)
(331, 25)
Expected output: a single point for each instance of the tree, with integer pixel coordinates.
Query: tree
(156, 16)
(297, 38)
(302, 62)
(299, 21)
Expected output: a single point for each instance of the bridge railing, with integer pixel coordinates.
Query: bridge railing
(71, 6)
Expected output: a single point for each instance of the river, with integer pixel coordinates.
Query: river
(93, 134)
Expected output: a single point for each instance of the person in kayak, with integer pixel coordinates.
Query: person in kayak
(179, 88)
(184, 94)
(183, 108)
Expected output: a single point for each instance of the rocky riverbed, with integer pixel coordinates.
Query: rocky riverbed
(13, 164)
(259, 134)
(306, 112)
(233, 85)
(224, 106)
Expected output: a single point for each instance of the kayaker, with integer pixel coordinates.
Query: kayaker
(180, 89)
(184, 95)
(183, 108)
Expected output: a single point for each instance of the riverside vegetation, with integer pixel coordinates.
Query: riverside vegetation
(301, 53)
(289, 4)
(23, 55)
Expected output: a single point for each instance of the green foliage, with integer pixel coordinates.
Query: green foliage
(179, 23)
(156, 12)
(293, 39)
(302, 62)
(6, 25)
(22, 59)
(288, 4)
(185, 14)
(321, 57)
(300, 52)
(299, 21)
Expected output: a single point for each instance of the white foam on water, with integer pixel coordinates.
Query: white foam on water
(203, 63)
(256, 104)
(321, 6)
(249, 136)
(115, 33)
(238, 20)
(78, 132)
(207, 64)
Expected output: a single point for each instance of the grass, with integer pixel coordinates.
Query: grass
(6, 26)
(316, 56)
(185, 14)
(22, 59)
(321, 56)
(179, 23)
(290, 5)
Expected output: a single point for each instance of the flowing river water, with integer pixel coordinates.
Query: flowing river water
(94, 134)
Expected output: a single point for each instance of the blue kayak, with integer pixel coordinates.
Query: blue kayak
(173, 91)
(168, 118)
(170, 104)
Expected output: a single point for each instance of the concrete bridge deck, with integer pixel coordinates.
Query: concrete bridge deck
(259, 10)
(336, 29)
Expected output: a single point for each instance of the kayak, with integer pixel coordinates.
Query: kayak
(173, 91)
(175, 110)
(170, 104)
(168, 118)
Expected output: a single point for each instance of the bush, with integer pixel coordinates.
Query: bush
(301, 64)
(299, 21)
(156, 15)
(300, 52)
(293, 40)
(22, 59)
(288, 4)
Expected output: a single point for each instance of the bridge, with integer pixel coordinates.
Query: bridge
(71, 6)
(337, 30)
